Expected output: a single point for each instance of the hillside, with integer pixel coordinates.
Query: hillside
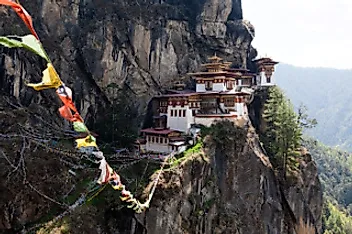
(335, 174)
(335, 171)
(326, 94)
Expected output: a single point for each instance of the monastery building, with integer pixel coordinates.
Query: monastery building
(221, 92)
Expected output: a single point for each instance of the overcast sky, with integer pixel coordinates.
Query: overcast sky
(314, 33)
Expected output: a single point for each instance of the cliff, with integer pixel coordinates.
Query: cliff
(228, 186)
(109, 51)
(231, 187)
(104, 50)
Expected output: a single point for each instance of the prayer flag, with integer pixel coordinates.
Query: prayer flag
(50, 79)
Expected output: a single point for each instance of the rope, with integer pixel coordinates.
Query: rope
(128, 197)
(45, 196)
(97, 193)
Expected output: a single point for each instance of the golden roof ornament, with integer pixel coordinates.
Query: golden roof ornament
(214, 58)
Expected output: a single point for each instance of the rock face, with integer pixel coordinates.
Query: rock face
(103, 49)
(137, 48)
(233, 189)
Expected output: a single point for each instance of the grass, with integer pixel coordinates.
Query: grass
(197, 148)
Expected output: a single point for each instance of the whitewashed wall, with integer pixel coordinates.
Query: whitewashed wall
(157, 147)
(262, 79)
(179, 122)
(219, 87)
(200, 88)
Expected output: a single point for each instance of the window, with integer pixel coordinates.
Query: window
(152, 139)
(184, 113)
(156, 139)
(179, 113)
(193, 112)
(229, 84)
(161, 140)
(149, 139)
(229, 102)
(208, 85)
(172, 113)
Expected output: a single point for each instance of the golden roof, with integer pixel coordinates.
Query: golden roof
(215, 59)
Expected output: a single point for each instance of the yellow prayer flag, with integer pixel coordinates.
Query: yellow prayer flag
(50, 79)
(86, 142)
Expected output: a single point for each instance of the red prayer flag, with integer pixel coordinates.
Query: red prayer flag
(77, 118)
(65, 94)
(21, 12)
(66, 113)
(68, 102)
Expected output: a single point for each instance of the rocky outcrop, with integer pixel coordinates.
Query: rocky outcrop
(232, 189)
(136, 47)
(304, 193)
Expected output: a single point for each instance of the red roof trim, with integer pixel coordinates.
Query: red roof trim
(215, 115)
(177, 95)
(160, 132)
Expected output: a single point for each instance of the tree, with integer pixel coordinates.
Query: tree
(282, 135)
(303, 119)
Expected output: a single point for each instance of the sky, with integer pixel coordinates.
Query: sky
(308, 33)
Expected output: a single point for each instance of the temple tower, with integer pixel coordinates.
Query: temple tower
(266, 69)
(215, 77)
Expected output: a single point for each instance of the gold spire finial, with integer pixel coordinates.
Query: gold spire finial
(215, 58)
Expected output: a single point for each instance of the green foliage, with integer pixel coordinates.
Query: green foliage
(335, 171)
(197, 148)
(205, 131)
(335, 174)
(282, 135)
(336, 221)
(194, 149)
(304, 120)
(226, 134)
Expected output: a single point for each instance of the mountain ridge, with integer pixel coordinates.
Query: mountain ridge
(323, 91)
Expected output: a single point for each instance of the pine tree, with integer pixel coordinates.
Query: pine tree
(282, 134)
(304, 120)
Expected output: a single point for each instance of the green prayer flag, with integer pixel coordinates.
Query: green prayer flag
(28, 42)
(79, 127)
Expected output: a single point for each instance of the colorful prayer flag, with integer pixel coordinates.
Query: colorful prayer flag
(22, 13)
(50, 79)
(86, 142)
(28, 42)
(65, 94)
(80, 127)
